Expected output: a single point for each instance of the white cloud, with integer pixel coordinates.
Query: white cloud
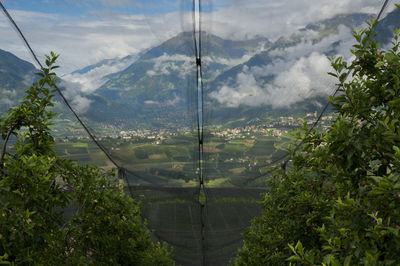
(163, 65)
(83, 41)
(344, 37)
(172, 102)
(149, 102)
(78, 85)
(115, 2)
(80, 104)
(11, 93)
(7, 102)
(73, 93)
(303, 78)
(96, 77)
(276, 18)
(231, 62)
(33, 16)
(306, 78)
(299, 72)
(246, 92)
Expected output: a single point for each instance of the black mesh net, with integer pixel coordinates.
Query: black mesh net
(193, 101)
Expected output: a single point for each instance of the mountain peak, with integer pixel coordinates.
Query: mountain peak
(212, 45)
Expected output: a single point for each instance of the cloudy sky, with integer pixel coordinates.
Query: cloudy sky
(87, 31)
(84, 32)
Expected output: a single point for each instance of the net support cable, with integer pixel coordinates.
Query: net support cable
(283, 165)
(202, 193)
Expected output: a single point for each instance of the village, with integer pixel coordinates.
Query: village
(281, 125)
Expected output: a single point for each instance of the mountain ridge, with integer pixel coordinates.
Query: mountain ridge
(158, 83)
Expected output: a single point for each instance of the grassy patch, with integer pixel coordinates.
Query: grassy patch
(237, 170)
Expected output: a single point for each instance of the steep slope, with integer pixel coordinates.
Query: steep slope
(15, 77)
(387, 25)
(115, 62)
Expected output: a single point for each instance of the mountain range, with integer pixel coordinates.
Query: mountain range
(244, 80)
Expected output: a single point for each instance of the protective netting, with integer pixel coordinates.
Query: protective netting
(193, 101)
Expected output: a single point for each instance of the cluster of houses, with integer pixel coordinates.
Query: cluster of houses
(277, 128)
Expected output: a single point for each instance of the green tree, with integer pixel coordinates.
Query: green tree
(339, 202)
(36, 187)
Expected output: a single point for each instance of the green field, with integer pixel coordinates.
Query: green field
(228, 162)
(83, 151)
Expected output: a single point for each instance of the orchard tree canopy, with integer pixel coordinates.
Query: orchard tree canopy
(36, 187)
